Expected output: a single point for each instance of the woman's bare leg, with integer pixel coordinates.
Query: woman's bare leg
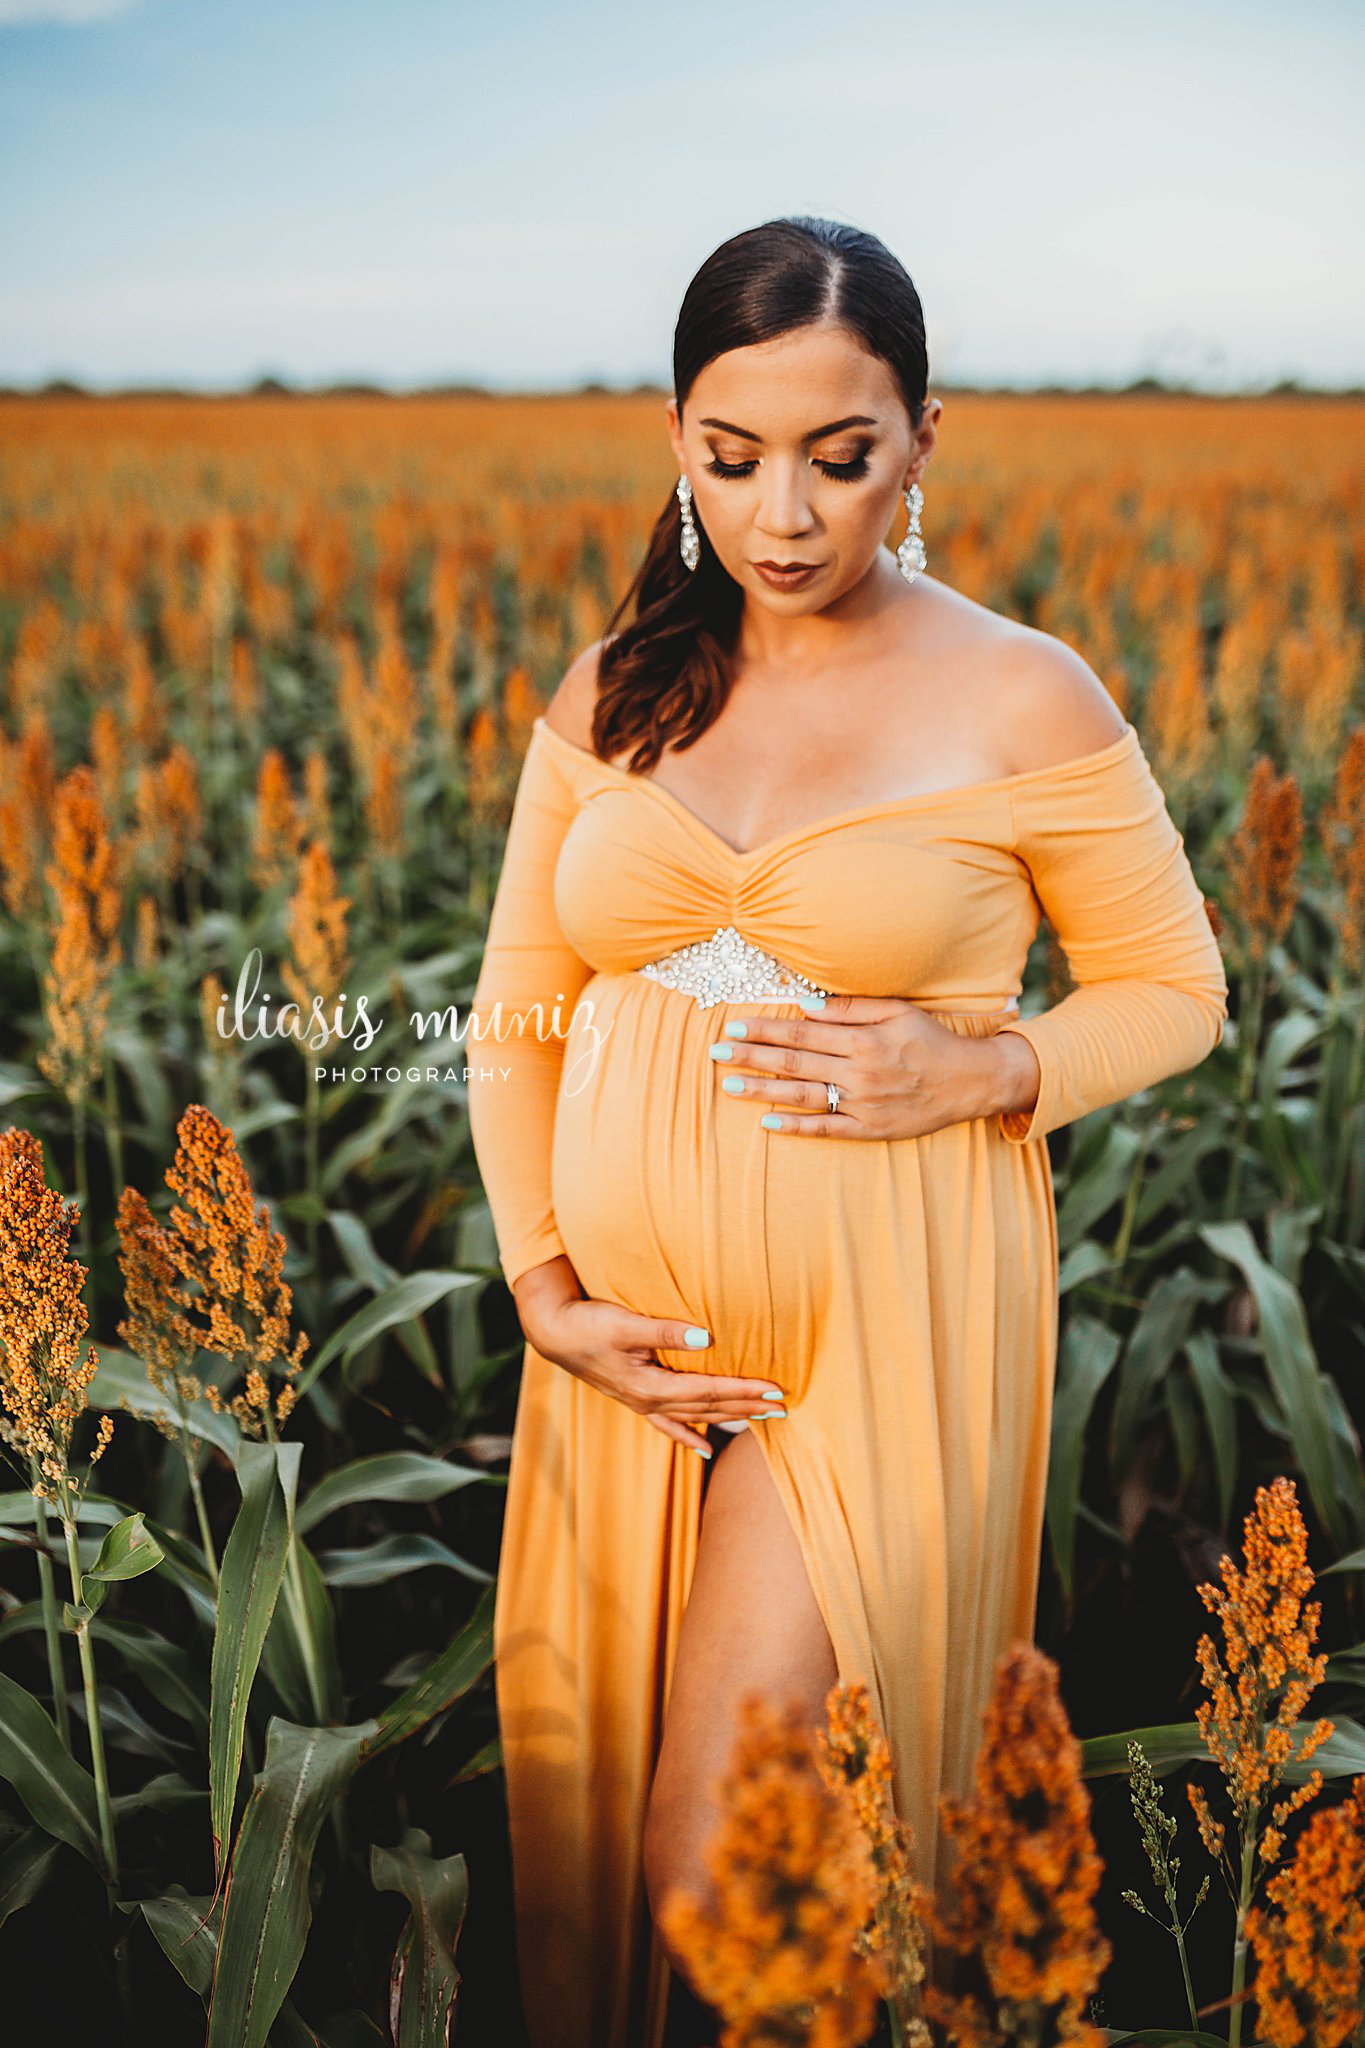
(751, 1624)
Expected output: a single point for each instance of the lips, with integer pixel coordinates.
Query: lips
(786, 565)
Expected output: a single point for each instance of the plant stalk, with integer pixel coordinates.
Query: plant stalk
(312, 1117)
(1246, 1080)
(47, 1588)
(92, 1702)
(197, 1495)
(298, 1608)
(1239, 1946)
(1185, 1973)
(1346, 1125)
(113, 1128)
(293, 1586)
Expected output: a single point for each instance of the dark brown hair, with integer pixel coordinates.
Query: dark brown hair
(665, 676)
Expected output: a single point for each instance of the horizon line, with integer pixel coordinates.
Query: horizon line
(270, 386)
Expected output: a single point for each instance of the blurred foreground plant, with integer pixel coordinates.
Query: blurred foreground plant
(803, 1932)
(1310, 1956)
(856, 1762)
(793, 1888)
(1026, 1870)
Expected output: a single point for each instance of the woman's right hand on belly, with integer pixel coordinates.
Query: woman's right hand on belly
(613, 1349)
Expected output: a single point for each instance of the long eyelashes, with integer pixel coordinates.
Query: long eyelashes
(842, 472)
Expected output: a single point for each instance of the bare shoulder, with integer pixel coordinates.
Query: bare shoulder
(570, 710)
(1040, 700)
(1050, 704)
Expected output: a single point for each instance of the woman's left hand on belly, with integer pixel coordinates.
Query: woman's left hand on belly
(899, 1073)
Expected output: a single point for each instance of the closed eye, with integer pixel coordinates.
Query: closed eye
(842, 472)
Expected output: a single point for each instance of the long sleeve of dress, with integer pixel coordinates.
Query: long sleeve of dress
(515, 1059)
(1110, 873)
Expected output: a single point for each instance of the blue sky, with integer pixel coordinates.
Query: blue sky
(205, 192)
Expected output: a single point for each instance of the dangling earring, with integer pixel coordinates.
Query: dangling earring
(689, 546)
(910, 554)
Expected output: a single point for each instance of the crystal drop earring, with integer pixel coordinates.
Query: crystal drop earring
(910, 554)
(689, 547)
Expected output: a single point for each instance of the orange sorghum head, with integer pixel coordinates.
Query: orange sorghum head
(278, 827)
(1268, 1634)
(774, 1949)
(86, 880)
(45, 1370)
(1265, 851)
(856, 1762)
(1310, 1955)
(155, 1327)
(236, 1302)
(316, 923)
(1026, 1868)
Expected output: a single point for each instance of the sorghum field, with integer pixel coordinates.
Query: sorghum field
(268, 671)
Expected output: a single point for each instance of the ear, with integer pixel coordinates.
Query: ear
(675, 431)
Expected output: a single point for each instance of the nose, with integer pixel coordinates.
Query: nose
(784, 510)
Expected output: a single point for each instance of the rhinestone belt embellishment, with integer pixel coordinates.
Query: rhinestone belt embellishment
(727, 969)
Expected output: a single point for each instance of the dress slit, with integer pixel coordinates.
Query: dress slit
(577, 1835)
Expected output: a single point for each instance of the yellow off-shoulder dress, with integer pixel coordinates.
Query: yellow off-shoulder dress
(902, 1291)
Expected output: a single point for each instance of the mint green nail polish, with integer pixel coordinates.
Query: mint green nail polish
(696, 1337)
(733, 1084)
(699, 1451)
(771, 1123)
(811, 1002)
(766, 1396)
(722, 1052)
(766, 1413)
(737, 1028)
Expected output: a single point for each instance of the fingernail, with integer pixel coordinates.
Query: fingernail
(766, 1396)
(737, 1028)
(733, 1084)
(722, 1052)
(696, 1337)
(811, 1002)
(771, 1123)
(699, 1451)
(766, 1413)
(733, 1428)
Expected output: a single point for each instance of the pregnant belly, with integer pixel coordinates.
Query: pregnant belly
(661, 1183)
(672, 1200)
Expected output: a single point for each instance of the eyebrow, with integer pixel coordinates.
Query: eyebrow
(854, 419)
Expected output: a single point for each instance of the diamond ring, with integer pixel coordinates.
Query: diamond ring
(833, 1094)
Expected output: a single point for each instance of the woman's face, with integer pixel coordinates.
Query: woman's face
(818, 437)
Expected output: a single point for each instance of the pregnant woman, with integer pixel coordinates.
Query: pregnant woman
(762, 1128)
